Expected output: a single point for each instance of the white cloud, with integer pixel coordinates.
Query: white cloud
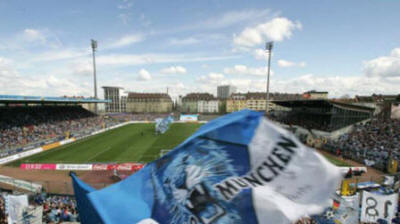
(144, 21)
(184, 41)
(54, 55)
(125, 17)
(126, 4)
(179, 85)
(174, 70)
(260, 54)
(144, 75)
(32, 35)
(285, 64)
(234, 17)
(386, 66)
(11, 82)
(338, 85)
(211, 78)
(244, 70)
(139, 59)
(127, 40)
(276, 29)
(82, 68)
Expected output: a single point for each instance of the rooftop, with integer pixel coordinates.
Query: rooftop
(48, 99)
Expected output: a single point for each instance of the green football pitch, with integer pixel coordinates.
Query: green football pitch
(130, 143)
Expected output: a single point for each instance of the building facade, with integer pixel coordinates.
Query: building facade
(148, 103)
(313, 95)
(118, 99)
(257, 101)
(208, 106)
(225, 91)
(199, 103)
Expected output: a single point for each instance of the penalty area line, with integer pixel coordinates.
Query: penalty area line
(99, 153)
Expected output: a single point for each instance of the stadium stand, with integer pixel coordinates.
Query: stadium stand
(375, 141)
(3, 217)
(21, 126)
(56, 208)
(323, 115)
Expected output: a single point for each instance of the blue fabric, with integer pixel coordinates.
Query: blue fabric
(87, 212)
(180, 186)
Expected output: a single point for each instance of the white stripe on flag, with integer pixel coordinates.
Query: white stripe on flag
(300, 181)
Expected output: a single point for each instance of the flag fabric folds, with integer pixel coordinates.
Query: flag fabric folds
(162, 125)
(239, 168)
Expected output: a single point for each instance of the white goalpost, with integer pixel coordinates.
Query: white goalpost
(164, 151)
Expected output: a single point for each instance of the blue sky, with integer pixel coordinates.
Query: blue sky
(344, 47)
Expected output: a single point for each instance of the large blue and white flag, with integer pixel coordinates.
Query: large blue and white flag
(162, 124)
(239, 168)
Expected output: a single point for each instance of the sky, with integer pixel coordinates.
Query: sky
(346, 47)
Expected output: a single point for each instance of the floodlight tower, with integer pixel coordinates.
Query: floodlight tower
(268, 48)
(94, 47)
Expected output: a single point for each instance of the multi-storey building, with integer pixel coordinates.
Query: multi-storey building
(148, 103)
(312, 95)
(117, 97)
(224, 92)
(199, 103)
(208, 106)
(257, 101)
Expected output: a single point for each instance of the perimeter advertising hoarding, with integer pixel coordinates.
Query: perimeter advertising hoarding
(189, 117)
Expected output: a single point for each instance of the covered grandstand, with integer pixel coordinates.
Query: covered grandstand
(27, 122)
(320, 114)
(16, 99)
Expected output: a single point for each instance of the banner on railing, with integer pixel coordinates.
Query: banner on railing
(20, 183)
(38, 166)
(189, 117)
(73, 166)
(89, 167)
(375, 207)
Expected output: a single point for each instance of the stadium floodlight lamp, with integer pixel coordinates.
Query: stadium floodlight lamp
(269, 46)
(94, 45)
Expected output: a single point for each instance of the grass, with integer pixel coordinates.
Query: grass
(124, 144)
(334, 160)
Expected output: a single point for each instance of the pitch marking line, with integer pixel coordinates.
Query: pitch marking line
(101, 152)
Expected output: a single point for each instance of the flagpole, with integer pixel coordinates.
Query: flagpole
(268, 48)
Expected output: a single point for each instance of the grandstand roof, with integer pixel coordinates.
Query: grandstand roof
(198, 96)
(321, 103)
(148, 95)
(263, 95)
(48, 99)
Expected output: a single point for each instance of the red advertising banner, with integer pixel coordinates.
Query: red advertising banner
(38, 166)
(97, 166)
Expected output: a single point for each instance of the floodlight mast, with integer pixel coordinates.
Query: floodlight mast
(268, 48)
(94, 47)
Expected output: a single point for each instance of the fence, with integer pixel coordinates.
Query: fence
(52, 187)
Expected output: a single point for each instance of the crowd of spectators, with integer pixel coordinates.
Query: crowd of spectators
(375, 141)
(56, 209)
(20, 126)
(3, 216)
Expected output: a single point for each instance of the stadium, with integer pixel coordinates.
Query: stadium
(59, 135)
(200, 112)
